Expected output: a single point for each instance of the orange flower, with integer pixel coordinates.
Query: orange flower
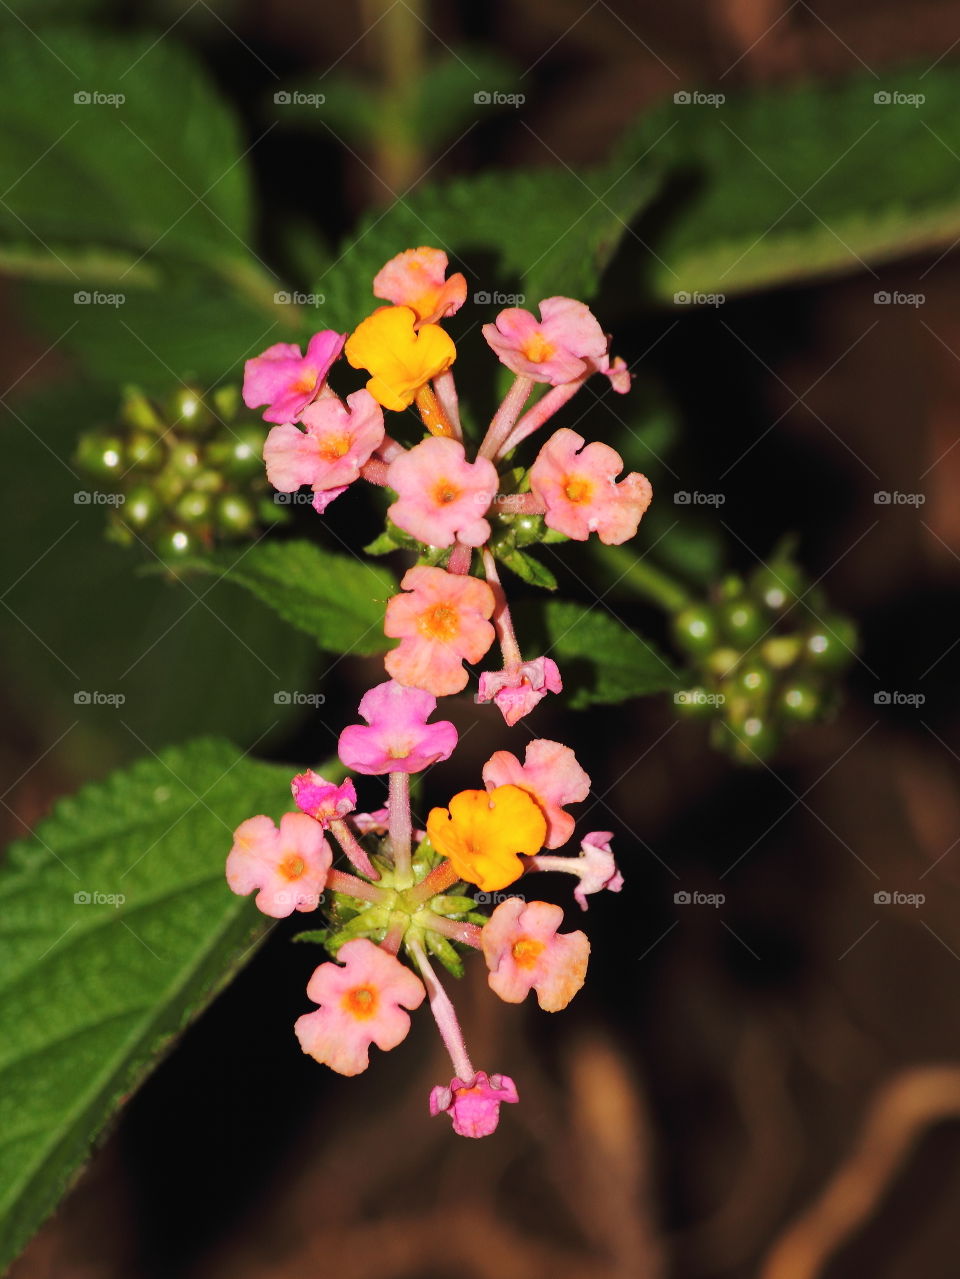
(400, 360)
(484, 834)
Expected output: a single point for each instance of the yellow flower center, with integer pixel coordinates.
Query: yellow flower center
(444, 492)
(361, 1002)
(441, 622)
(578, 490)
(537, 349)
(526, 951)
(333, 447)
(292, 867)
(306, 382)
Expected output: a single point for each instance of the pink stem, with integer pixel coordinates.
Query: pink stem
(445, 390)
(506, 415)
(394, 934)
(456, 929)
(460, 559)
(518, 504)
(338, 881)
(440, 878)
(390, 448)
(534, 418)
(401, 825)
(353, 848)
(502, 620)
(543, 861)
(375, 471)
(446, 1017)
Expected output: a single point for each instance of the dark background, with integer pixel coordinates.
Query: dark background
(722, 1066)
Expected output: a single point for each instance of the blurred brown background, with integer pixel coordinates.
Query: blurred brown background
(767, 1090)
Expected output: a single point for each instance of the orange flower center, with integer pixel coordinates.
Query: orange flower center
(293, 866)
(305, 383)
(334, 447)
(526, 951)
(536, 349)
(578, 490)
(441, 622)
(361, 1002)
(445, 492)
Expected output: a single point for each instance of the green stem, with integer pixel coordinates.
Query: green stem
(650, 582)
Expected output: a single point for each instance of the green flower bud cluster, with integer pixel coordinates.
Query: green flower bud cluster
(767, 654)
(190, 471)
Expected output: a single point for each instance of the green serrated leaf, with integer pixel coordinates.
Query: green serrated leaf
(95, 988)
(527, 567)
(600, 658)
(782, 184)
(336, 599)
(553, 232)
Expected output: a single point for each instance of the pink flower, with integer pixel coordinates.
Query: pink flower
(287, 381)
(375, 823)
(597, 867)
(619, 375)
(441, 495)
(289, 865)
(361, 1004)
(551, 774)
(578, 487)
(415, 278)
(330, 450)
(474, 1107)
(516, 692)
(441, 621)
(566, 344)
(324, 801)
(525, 952)
(398, 739)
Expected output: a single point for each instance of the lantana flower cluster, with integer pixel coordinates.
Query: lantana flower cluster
(415, 897)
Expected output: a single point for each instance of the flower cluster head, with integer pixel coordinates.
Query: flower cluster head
(401, 899)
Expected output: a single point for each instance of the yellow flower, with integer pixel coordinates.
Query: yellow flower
(484, 832)
(401, 361)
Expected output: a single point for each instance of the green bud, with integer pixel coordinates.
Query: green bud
(101, 455)
(141, 507)
(778, 585)
(184, 460)
(146, 452)
(781, 651)
(722, 661)
(187, 412)
(227, 402)
(193, 507)
(755, 740)
(754, 679)
(742, 621)
(832, 646)
(176, 544)
(239, 454)
(140, 413)
(695, 629)
(235, 516)
(800, 701)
